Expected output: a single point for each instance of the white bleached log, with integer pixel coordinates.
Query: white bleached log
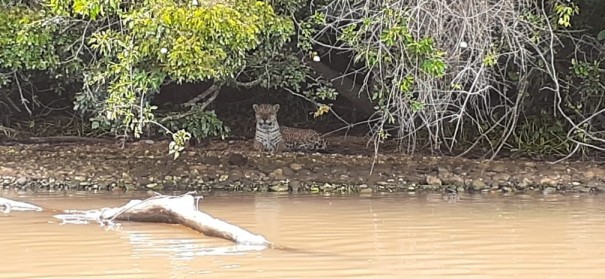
(168, 209)
(11, 205)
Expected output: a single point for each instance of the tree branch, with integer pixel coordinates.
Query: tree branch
(212, 90)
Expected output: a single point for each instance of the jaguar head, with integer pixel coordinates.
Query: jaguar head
(266, 114)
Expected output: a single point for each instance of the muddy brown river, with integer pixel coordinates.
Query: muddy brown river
(373, 236)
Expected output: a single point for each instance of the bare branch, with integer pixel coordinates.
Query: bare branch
(212, 90)
(483, 41)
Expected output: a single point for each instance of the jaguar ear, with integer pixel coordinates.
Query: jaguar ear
(255, 107)
(276, 107)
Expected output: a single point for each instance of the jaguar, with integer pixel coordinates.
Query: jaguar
(272, 137)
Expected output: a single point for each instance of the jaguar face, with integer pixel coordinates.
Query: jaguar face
(266, 114)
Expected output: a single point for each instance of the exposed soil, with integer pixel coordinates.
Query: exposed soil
(234, 166)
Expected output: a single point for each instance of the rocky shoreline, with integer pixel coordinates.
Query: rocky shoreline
(233, 166)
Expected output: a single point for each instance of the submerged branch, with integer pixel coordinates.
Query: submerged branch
(169, 209)
(10, 205)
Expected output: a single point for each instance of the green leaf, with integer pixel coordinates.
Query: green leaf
(601, 35)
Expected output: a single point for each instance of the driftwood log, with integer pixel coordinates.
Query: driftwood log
(10, 205)
(161, 209)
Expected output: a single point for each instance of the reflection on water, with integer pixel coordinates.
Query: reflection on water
(374, 236)
(144, 244)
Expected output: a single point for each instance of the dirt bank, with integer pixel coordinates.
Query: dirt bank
(234, 166)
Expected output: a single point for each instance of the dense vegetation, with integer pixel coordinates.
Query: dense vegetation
(523, 76)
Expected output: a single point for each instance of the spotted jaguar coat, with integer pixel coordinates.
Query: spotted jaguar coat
(271, 137)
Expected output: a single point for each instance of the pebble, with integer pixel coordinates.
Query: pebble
(277, 174)
(249, 174)
(295, 185)
(454, 179)
(279, 188)
(237, 159)
(295, 166)
(547, 181)
(211, 160)
(524, 183)
(503, 177)
(478, 185)
(442, 171)
(433, 180)
(21, 181)
(288, 172)
(593, 183)
(498, 168)
(366, 190)
(589, 174)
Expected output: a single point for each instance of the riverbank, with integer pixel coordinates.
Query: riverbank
(234, 166)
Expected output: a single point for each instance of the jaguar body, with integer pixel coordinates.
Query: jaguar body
(272, 137)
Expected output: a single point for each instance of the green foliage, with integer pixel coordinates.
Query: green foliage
(589, 80)
(587, 71)
(298, 8)
(187, 43)
(545, 134)
(179, 139)
(36, 52)
(30, 42)
(402, 57)
(307, 29)
(585, 98)
(272, 68)
(24, 43)
(92, 9)
(322, 92)
(541, 135)
(490, 59)
(138, 46)
(199, 123)
(601, 35)
(564, 12)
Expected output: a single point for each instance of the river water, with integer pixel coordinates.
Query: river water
(372, 236)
